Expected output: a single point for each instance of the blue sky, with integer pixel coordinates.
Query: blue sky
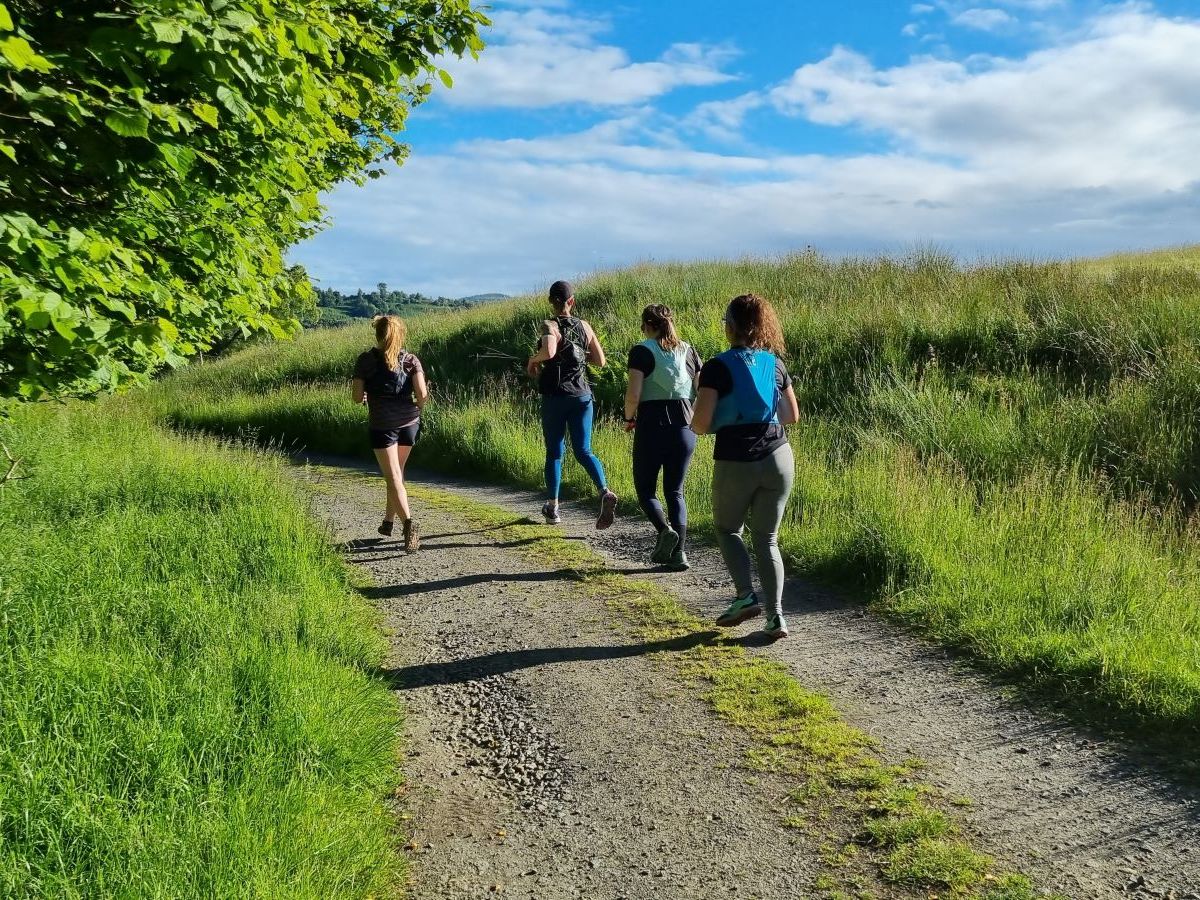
(590, 135)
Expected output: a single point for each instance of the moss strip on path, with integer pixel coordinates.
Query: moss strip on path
(874, 820)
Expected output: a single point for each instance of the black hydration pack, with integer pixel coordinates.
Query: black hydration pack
(385, 382)
(572, 346)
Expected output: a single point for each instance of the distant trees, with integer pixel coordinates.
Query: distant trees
(157, 158)
(335, 308)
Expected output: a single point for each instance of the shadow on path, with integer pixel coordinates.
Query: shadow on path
(390, 591)
(463, 670)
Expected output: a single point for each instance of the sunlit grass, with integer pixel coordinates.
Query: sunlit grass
(185, 704)
(1006, 456)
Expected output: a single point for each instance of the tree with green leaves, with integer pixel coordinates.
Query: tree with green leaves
(157, 158)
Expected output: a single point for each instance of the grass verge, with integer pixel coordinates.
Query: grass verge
(185, 701)
(879, 821)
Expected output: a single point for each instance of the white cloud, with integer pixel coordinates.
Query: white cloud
(1079, 148)
(920, 9)
(912, 29)
(983, 19)
(546, 55)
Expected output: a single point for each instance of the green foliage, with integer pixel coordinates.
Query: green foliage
(158, 157)
(991, 493)
(186, 708)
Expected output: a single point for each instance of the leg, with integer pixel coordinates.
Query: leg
(676, 460)
(580, 423)
(766, 514)
(554, 433)
(393, 473)
(732, 488)
(646, 463)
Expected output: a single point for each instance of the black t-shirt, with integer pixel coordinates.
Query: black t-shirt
(744, 443)
(670, 413)
(563, 375)
(389, 411)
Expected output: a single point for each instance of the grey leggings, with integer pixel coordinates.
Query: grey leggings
(761, 490)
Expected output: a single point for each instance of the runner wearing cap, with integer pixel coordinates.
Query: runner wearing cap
(566, 347)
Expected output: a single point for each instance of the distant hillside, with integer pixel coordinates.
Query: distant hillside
(483, 298)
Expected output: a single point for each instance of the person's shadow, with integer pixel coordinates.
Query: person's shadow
(472, 668)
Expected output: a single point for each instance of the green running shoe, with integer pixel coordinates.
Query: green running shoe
(776, 628)
(668, 540)
(740, 610)
(678, 561)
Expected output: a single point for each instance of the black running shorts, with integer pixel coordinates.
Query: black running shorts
(404, 436)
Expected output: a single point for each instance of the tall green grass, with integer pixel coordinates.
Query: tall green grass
(1006, 456)
(185, 704)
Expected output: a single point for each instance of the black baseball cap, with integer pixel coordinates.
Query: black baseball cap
(561, 292)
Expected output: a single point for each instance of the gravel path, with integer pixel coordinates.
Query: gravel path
(629, 788)
(549, 756)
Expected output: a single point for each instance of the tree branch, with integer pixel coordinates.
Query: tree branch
(13, 462)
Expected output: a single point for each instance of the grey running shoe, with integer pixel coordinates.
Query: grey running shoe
(608, 510)
(678, 561)
(740, 610)
(776, 627)
(550, 513)
(668, 540)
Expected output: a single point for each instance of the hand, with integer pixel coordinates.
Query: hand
(630, 424)
(533, 367)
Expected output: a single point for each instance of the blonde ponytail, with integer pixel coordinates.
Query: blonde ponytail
(390, 332)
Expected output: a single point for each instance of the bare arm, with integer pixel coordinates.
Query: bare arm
(595, 353)
(633, 393)
(706, 405)
(358, 391)
(547, 347)
(789, 407)
(420, 388)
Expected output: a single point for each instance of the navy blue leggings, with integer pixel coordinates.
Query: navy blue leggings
(665, 448)
(560, 415)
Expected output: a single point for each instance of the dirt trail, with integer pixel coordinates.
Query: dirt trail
(626, 787)
(548, 755)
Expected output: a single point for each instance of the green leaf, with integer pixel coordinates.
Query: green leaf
(445, 77)
(206, 112)
(75, 239)
(128, 122)
(22, 56)
(178, 157)
(6, 22)
(166, 31)
(234, 102)
(7, 150)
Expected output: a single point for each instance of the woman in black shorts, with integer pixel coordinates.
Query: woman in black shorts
(391, 382)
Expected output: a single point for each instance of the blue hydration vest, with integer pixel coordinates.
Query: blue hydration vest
(754, 399)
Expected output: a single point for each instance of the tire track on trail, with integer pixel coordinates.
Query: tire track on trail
(622, 816)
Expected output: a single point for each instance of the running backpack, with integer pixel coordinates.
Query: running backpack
(572, 348)
(385, 382)
(754, 399)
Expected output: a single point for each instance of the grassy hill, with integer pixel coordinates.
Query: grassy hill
(1005, 456)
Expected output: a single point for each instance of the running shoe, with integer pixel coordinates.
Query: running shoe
(678, 561)
(608, 510)
(386, 528)
(668, 540)
(550, 513)
(412, 537)
(740, 610)
(776, 628)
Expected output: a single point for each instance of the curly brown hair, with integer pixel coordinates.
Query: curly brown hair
(755, 323)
